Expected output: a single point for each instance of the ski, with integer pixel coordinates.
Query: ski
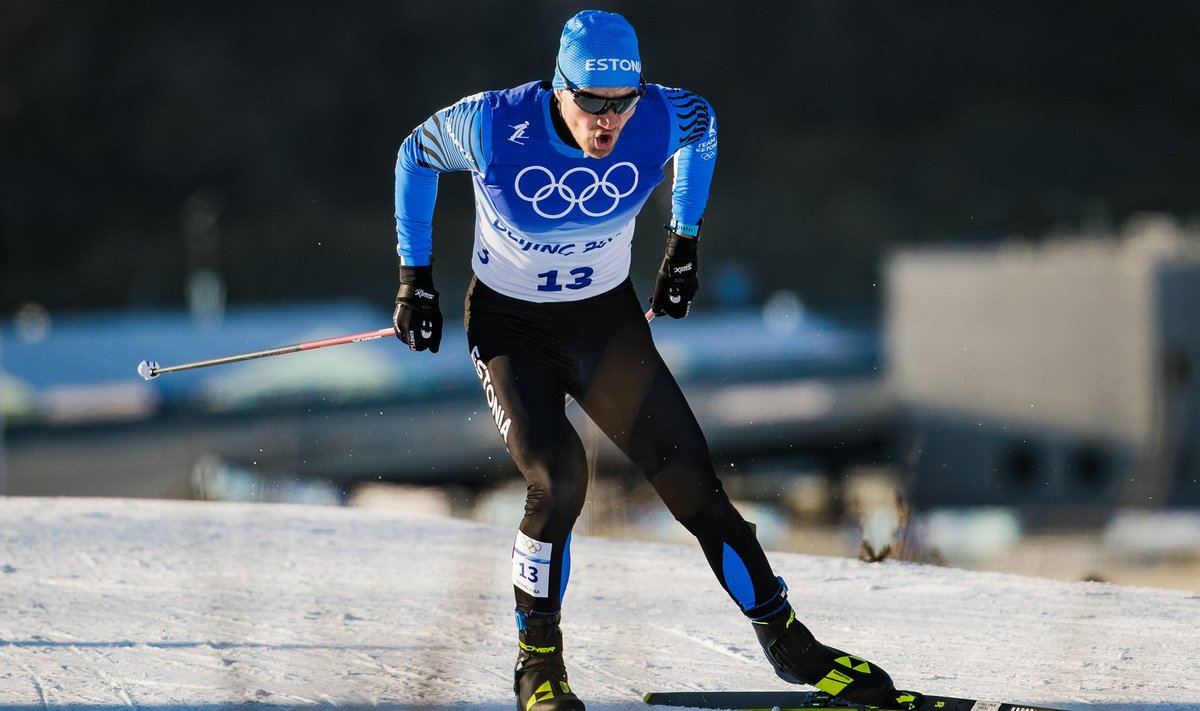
(815, 701)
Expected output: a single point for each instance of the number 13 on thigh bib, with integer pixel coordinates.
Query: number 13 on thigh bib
(531, 565)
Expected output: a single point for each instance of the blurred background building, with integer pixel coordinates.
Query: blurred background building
(950, 271)
(1062, 374)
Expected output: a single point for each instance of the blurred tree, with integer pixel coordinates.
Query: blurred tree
(846, 129)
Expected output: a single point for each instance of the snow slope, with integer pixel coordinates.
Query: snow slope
(138, 603)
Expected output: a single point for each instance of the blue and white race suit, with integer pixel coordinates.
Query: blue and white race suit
(552, 224)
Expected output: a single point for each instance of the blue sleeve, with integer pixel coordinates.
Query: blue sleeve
(453, 139)
(694, 130)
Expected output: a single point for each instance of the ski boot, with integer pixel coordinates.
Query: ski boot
(540, 678)
(798, 658)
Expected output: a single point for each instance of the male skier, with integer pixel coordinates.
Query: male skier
(560, 170)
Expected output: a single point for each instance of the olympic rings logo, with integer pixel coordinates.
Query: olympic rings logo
(577, 195)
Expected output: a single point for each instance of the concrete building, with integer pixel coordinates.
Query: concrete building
(1064, 374)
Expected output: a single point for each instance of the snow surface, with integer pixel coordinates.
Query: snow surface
(108, 603)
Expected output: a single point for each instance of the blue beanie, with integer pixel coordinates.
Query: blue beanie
(598, 49)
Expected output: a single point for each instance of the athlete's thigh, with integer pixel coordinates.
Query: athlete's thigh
(526, 401)
(635, 400)
(525, 395)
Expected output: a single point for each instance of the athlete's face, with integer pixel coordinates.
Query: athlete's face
(596, 134)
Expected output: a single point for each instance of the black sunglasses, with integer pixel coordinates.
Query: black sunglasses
(597, 105)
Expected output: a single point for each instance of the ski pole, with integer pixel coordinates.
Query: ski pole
(150, 369)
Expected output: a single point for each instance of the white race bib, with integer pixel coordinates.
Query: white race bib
(531, 565)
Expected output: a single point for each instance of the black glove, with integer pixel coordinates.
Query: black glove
(418, 318)
(677, 281)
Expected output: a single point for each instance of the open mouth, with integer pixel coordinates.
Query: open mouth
(605, 141)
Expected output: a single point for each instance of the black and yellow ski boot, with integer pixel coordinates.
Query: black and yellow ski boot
(799, 658)
(540, 679)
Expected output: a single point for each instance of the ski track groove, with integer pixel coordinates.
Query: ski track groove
(39, 687)
(88, 661)
(392, 673)
(88, 561)
(117, 687)
(731, 651)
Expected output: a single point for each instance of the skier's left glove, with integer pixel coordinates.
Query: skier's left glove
(677, 279)
(417, 319)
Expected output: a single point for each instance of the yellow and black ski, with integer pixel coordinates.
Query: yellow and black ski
(818, 701)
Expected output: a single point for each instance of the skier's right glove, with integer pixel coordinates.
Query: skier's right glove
(417, 319)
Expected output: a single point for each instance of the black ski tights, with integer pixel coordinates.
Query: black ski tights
(529, 357)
